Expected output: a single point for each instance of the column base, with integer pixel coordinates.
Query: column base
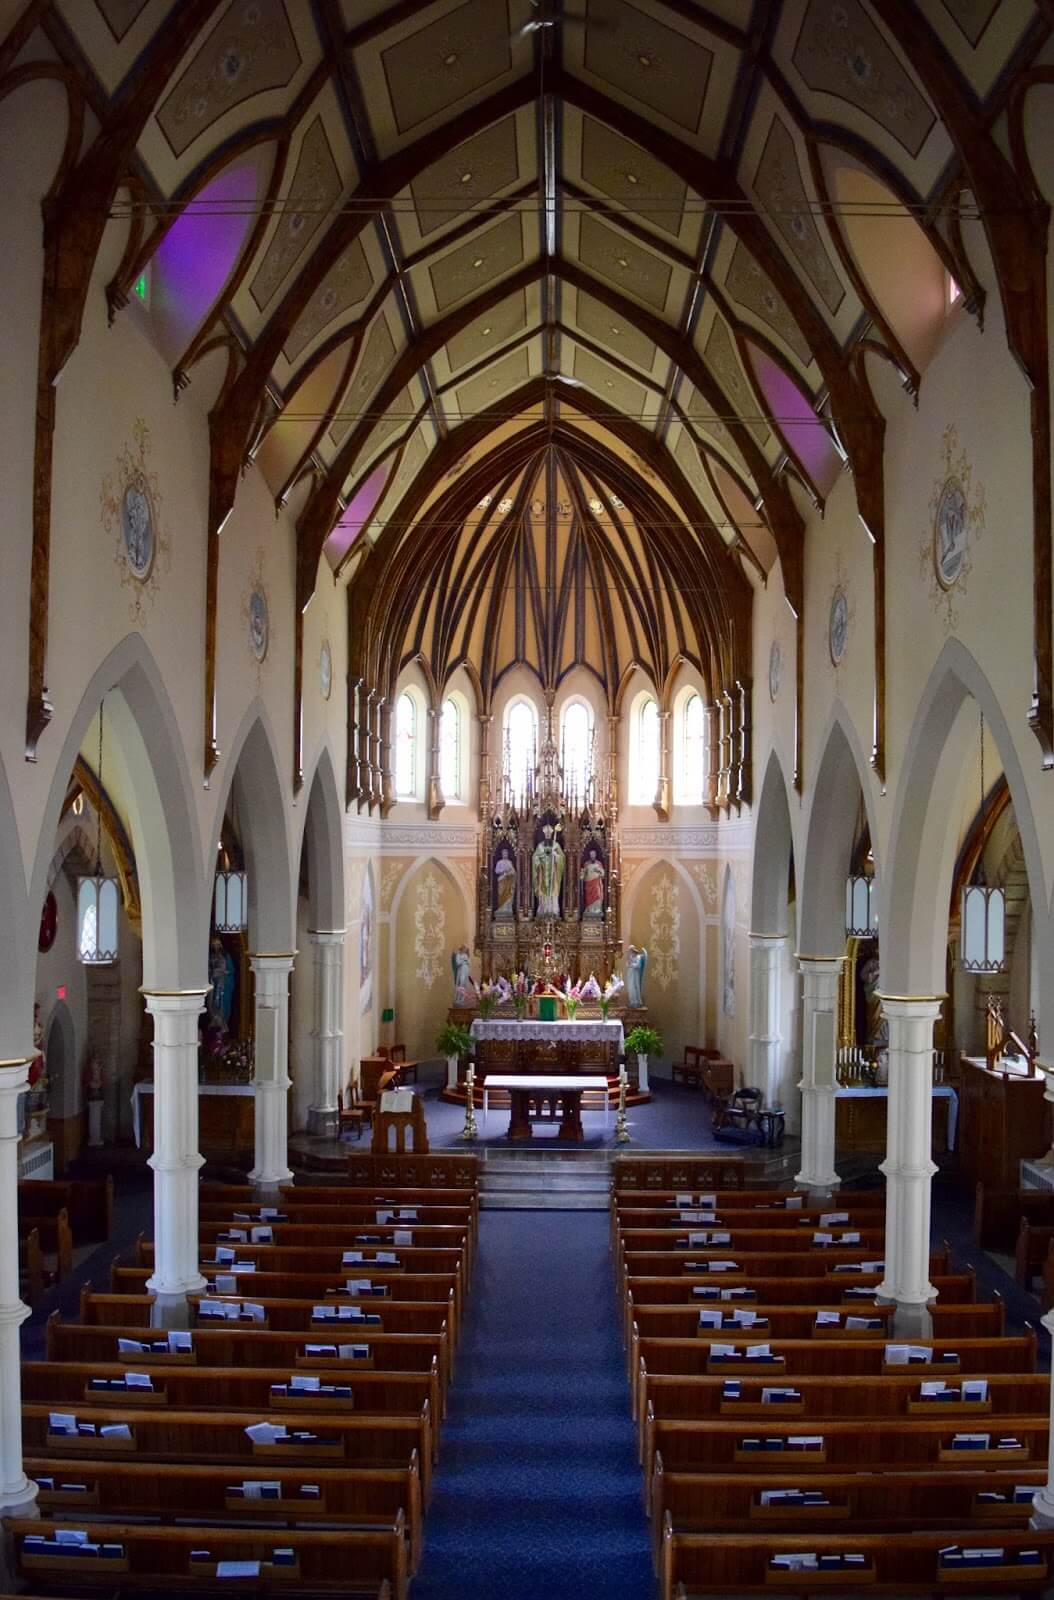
(1042, 1518)
(322, 1122)
(20, 1501)
(912, 1319)
(821, 1185)
(270, 1180)
(170, 1308)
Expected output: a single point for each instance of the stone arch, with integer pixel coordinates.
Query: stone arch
(253, 779)
(689, 981)
(62, 1051)
(922, 847)
(323, 839)
(773, 849)
(841, 781)
(17, 943)
(143, 742)
(406, 972)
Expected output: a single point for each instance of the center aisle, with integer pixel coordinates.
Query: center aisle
(538, 1491)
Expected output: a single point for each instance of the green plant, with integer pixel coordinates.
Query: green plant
(453, 1040)
(643, 1041)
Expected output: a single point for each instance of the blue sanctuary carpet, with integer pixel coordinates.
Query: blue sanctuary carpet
(538, 1491)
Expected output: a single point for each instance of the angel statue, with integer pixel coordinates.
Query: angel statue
(636, 967)
(464, 989)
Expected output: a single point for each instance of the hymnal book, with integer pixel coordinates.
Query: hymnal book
(738, 1294)
(353, 1352)
(705, 1291)
(828, 1319)
(232, 1233)
(272, 1214)
(971, 1441)
(237, 1569)
(225, 1283)
(262, 1235)
(61, 1422)
(731, 1389)
(138, 1380)
(115, 1430)
(365, 1286)
(828, 1219)
(403, 1236)
(304, 1382)
(759, 1352)
(771, 1397)
(266, 1432)
(805, 1441)
(863, 1322)
(179, 1342)
(794, 1202)
(823, 1238)
(224, 1255)
(849, 1238)
(975, 1390)
(903, 1355)
(711, 1319)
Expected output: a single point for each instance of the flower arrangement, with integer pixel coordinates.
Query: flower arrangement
(571, 995)
(520, 987)
(613, 987)
(491, 995)
(591, 988)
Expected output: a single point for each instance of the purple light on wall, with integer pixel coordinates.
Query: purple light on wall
(196, 256)
(356, 514)
(805, 435)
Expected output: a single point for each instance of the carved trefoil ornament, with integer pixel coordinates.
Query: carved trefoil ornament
(957, 520)
(130, 501)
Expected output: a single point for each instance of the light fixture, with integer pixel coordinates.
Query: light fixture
(982, 937)
(97, 895)
(230, 901)
(861, 915)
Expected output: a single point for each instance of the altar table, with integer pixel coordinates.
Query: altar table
(227, 1129)
(525, 1086)
(584, 1030)
(866, 1131)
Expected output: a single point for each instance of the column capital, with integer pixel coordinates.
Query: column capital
(821, 963)
(190, 1000)
(276, 962)
(327, 935)
(14, 1073)
(761, 941)
(913, 1006)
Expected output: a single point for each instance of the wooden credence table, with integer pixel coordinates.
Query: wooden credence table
(530, 1092)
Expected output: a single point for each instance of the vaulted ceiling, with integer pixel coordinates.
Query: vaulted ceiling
(423, 228)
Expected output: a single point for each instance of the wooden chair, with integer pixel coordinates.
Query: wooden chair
(737, 1119)
(719, 1079)
(376, 1073)
(396, 1054)
(353, 1115)
(691, 1069)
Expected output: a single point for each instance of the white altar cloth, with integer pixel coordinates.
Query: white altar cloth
(584, 1030)
(542, 1081)
(941, 1091)
(147, 1087)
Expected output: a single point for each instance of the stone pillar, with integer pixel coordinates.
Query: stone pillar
(272, 1080)
(485, 797)
(1043, 1504)
(664, 793)
(328, 1028)
(820, 975)
(435, 799)
(175, 1160)
(17, 1492)
(766, 984)
(909, 1166)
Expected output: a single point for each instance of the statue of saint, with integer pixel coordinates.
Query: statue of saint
(636, 966)
(221, 976)
(465, 993)
(547, 873)
(593, 875)
(504, 883)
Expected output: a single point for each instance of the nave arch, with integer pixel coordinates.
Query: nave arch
(842, 788)
(254, 785)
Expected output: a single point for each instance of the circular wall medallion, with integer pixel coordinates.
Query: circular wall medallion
(49, 922)
(950, 528)
(775, 668)
(259, 623)
(838, 625)
(137, 529)
(325, 669)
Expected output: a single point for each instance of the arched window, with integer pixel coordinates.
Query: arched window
(644, 751)
(450, 750)
(406, 746)
(520, 744)
(690, 751)
(576, 745)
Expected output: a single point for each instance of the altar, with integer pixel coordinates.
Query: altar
(518, 1045)
(860, 1118)
(539, 1095)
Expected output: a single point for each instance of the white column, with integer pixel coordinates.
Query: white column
(17, 1492)
(820, 975)
(271, 1073)
(908, 1166)
(766, 1003)
(328, 1027)
(175, 1160)
(1043, 1504)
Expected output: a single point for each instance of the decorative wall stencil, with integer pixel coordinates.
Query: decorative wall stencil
(840, 52)
(325, 669)
(775, 669)
(465, 869)
(665, 922)
(256, 614)
(346, 283)
(840, 614)
(752, 287)
(366, 945)
(130, 501)
(957, 519)
(647, 61)
(390, 876)
(728, 946)
(429, 929)
(250, 50)
(314, 191)
(779, 185)
(705, 876)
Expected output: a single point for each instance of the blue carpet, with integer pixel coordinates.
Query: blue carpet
(538, 1492)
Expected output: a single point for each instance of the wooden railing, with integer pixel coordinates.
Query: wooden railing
(856, 1065)
(999, 1036)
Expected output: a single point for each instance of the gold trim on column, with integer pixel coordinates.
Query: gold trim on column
(18, 1061)
(935, 998)
(329, 933)
(753, 935)
(273, 955)
(173, 994)
(799, 957)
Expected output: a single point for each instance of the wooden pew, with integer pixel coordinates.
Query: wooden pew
(1031, 1248)
(66, 1385)
(976, 1320)
(159, 1434)
(867, 1501)
(32, 1274)
(348, 1562)
(345, 1236)
(238, 1345)
(738, 1564)
(55, 1238)
(88, 1203)
(290, 1260)
(361, 1496)
(755, 1199)
(802, 1357)
(998, 1213)
(760, 1264)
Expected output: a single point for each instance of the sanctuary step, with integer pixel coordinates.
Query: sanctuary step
(532, 1180)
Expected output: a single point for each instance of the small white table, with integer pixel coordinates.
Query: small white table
(522, 1084)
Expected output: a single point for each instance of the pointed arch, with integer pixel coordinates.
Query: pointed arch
(253, 779)
(323, 838)
(841, 780)
(773, 852)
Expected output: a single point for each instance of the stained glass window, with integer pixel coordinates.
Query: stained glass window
(644, 748)
(691, 752)
(406, 746)
(576, 744)
(450, 750)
